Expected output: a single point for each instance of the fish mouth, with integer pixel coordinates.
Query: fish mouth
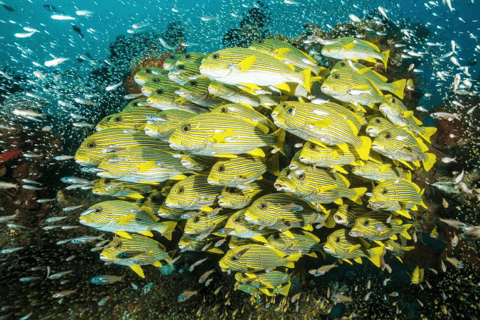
(146, 92)
(377, 147)
(84, 161)
(376, 205)
(172, 205)
(328, 249)
(282, 187)
(355, 233)
(338, 219)
(139, 80)
(213, 182)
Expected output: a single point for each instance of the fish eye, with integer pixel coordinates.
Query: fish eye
(336, 77)
(148, 71)
(384, 191)
(388, 135)
(215, 56)
(108, 180)
(342, 64)
(221, 169)
(377, 121)
(118, 119)
(135, 104)
(223, 110)
(290, 110)
(171, 57)
(181, 67)
(366, 223)
(193, 83)
(188, 56)
(159, 91)
(263, 206)
(312, 146)
(284, 105)
(155, 80)
(98, 210)
(180, 190)
(186, 128)
(301, 176)
(196, 219)
(260, 41)
(337, 239)
(91, 145)
(393, 100)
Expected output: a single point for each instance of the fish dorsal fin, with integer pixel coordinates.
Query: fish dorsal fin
(158, 264)
(123, 234)
(247, 63)
(383, 78)
(281, 51)
(364, 70)
(138, 270)
(373, 46)
(146, 233)
(358, 260)
(354, 247)
(283, 86)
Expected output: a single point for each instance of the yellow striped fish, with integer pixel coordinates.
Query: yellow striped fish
(189, 242)
(127, 120)
(398, 144)
(160, 82)
(238, 171)
(99, 146)
(256, 258)
(246, 113)
(162, 124)
(287, 53)
(220, 135)
(235, 198)
(145, 74)
(347, 114)
(331, 157)
(347, 213)
(143, 165)
(121, 217)
(168, 99)
(239, 227)
(397, 195)
(237, 242)
(377, 125)
(271, 283)
(353, 49)
(380, 171)
(182, 72)
(135, 252)
(396, 87)
(236, 66)
(345, 247)
(203, 224)
(397, 249)
(137, 104)
(374, 226)
(198, 92)
(192, 193)
(317, 185)
(394, 109)
(191, 57)
(120, 189)
(302, 241)
(320, 125)
(169, 213)
(232, 94)
(153, 202)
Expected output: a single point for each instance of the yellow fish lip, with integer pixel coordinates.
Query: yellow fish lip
(328, 249)
(140, 80)
(355, 233)
(84, 161)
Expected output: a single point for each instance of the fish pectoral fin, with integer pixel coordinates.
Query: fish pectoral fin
(349, 46)
(354, 247)
(283, 86)
(257, 152)
(312, 254)
(347, 261)
(308, 227)
(220, 136)
(326, 188)
(358, 260)
(123, 234)
(247, 63)
(260, 239)
(143, 167)
(135, 196)
(158, 264)
(126, 219)
(146, 233)
(138, 270)
(340, 169)
(281, 51)
(380, 243)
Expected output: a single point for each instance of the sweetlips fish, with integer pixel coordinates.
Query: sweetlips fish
(347, 114)
(191, 57)
(241, 66)
(398, 144)
(256, 257)
(143, 165)
(127, 120)
(165, 99)
(246, 112)
(122, 217)
(204, 224)
(376, 125)
(135, 252)
(282, 211)
(320, 125)
(397, 249)
(221, 135)
(160, 82)
(145, 74)
(394, 109)
(353, 49)
(396, 87)
(347, 213)
(183, 72)
(97, 147)
(331, 157)
(235, 198)
(153, 202)
(377, 226)
(232, 94)
(287, 53)
(238, 226)
(191, 242)
(380, 171)
(162, 124)
(137, 104)
(198, 92)
(348, 86)
(398, 195)
(196, 163)
(237, 242)
(345, 247)
(271, 283)
(302, 241)
(192, 193)
(120, 189)
(241, 171)
(317, 185)
(166, 212)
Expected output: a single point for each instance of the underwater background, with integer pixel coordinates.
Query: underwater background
(66, 65)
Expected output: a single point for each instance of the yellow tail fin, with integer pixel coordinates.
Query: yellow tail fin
(359, 192)
(169, 227)
(294, 257)
(364, 149)
(280, 140)
(399, 88)
(306, 74)
(375, 254)
(273, 165)
(428, 132)
(284, 290)
(386, 54)
(404, 231)
(431, 159)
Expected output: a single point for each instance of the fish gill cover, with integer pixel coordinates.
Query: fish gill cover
(292, 159)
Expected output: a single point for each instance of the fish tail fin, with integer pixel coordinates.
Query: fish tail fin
(404, 233)
(375, 255)
(408, 248)
(306, 74)
(358, 194)
(364, 149)
(428, 132)
(285, 289)
(273, 165)
(386, 54)
(316, 69)
(430, 161)
(280, 140)
(138, 270)
(168, 228)
(294, 257)
(399, 87)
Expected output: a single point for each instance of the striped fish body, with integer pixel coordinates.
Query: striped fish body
(145, 74)
(342, 246)
(182, 58)
(161, 82)
(147, 251)
(274, 279)
(120, 189)
(182, 72)
(256, 258)
(317, 185)
(281, 211)
(239, 227)
(304, 242)
(320, 125)
(168, 99)
(192, 193)
(286, 53)
(169, 213)
(100, 145)
(205, 224)
(236, 172)
(396, 195)
(351, 87)
(162, 124)
(153, 202)
(331, 157)
(246, 66)
(137, 104)
(121, 216)
(197, 163)
(221, 135)
(379, 171)
(354, 49)
(396, 248)
(190, 242)
(127, 120)
(232, 94)
(356, 119)
(238, 242)
(245, 113)
(347, 213)
(235, 198)
(377, 125)
(142, 164)
(373, 226)
(197, 91)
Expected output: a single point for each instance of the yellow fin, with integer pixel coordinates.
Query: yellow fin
(349, 46)
(289, 234)
(262, 127)
(143, 167)
(386, 54)
(246, 63)
(123, 234)
(326, 188)
(215, 250)
(407, 114)
(247, 105)
(321, 123)
(220, 136)
(340, 169)
(375, 255)
(138, 270)
(285, 289)
(384, 168)
(283, 86)
(364, 70)
(135, 196)
(431, 159)
(260, 239)
(280, 140)
(399, 88)
(380, 243)
(346, 260)
(146, 233)
(372, 60)
(404, 231)
(364, 149)
(373, 46)
(312, 254)
(404, 213)
(381, 77)
(358, 260)
(257, 153)
(308, 227)
(281, 51)
(354, 247)
(306, 82)
(428, 132)
(359, 192)
(158, 264)
(343, 147)
(273, 165)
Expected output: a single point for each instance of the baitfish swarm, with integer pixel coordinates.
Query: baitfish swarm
(204, 146)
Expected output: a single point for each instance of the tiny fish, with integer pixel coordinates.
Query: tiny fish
(103, 301)
(186, 295)
(448, 160)
(205, 276)
(55, 219)
(199, 262)
(105, 279)
(55, 62)
(7, 185)
(62, 294)
(59, 274)
(28, 279)
(113, 86)
(30, 187)
(455, 262)
(63, 157)
(8, 218)
(86, 239)
(10, 250)
(72, 208)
